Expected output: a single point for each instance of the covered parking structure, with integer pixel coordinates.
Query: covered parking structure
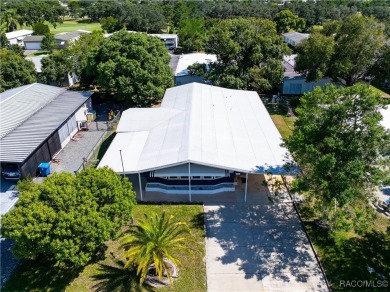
(201, 140)
(37, 121)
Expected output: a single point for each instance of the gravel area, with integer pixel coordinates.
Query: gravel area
(70, 158)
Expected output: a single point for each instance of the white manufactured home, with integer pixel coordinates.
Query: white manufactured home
(197, 142)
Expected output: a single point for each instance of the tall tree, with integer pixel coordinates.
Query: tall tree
(110, 24)
(31, 12)
(155, 240)
(287, 21)
(358, 44)
(67, 219)
(147, 17)
(381, 69)
(192, 34)
(9, 20)
(15, 70)
(249, 52)
(314, 56)
(350, 57)
(40, 28)
(55, 68)
(48, 42)
(339, 145)
(133, 66)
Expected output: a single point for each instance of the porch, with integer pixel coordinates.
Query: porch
(256, 192)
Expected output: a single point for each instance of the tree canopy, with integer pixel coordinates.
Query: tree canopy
(340, 147)
(133, 66)
(15, 70)
(34, 11)
(66, 219)
(348, 53)
(192, 34)
(48, 42)
(249, 53)
(55, 68)
(40, 28)
(287, 21)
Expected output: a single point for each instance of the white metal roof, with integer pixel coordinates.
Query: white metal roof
(386, 117)
(201, 124)
(18, 33)
(297, 37)
(187, 60)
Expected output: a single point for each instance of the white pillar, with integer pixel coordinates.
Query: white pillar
(140, 185)
(246, 185)
(189, 180)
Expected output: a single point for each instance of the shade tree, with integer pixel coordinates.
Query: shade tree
(67, 218)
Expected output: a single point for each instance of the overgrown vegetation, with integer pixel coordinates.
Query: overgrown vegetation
(342, 152)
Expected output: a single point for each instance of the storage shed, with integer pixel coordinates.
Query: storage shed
(37, 121)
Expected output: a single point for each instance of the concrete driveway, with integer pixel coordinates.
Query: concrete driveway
(258, 248)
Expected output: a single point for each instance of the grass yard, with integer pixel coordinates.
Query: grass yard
(71, 24)
(378, 88)
(284, 123)
(346, 256)
(106, 275)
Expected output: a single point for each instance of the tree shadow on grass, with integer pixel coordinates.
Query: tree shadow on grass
(349, 259)
(39, 276)
(197, 221)
(106, 143)
(116, 277)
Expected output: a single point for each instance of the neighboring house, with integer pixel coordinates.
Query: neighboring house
(294, 38)
(70, 79)
(182, 74)
(33, 42)
(294, 82)
(171, 40)
(65, 38)
(37, 121)
(16, 37)
(200, 138)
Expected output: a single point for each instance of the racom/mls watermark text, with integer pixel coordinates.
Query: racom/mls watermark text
(363, 284)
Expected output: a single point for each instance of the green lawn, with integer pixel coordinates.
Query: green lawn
(71, 24)
(378, 88)
(35, 276)
(284, 123)
(348, 256)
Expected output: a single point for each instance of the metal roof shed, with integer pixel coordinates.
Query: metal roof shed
(30, 119)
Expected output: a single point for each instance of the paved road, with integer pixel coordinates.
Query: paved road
(8, 197)
(258, 248)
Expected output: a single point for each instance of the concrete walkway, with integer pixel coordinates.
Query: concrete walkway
(258, 248)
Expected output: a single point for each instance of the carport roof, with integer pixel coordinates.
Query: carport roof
(201, 124)
(28, 116)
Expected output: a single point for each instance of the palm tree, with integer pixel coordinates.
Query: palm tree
(155, 240)
(10, 20)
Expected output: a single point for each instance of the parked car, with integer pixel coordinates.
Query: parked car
(11, 172)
